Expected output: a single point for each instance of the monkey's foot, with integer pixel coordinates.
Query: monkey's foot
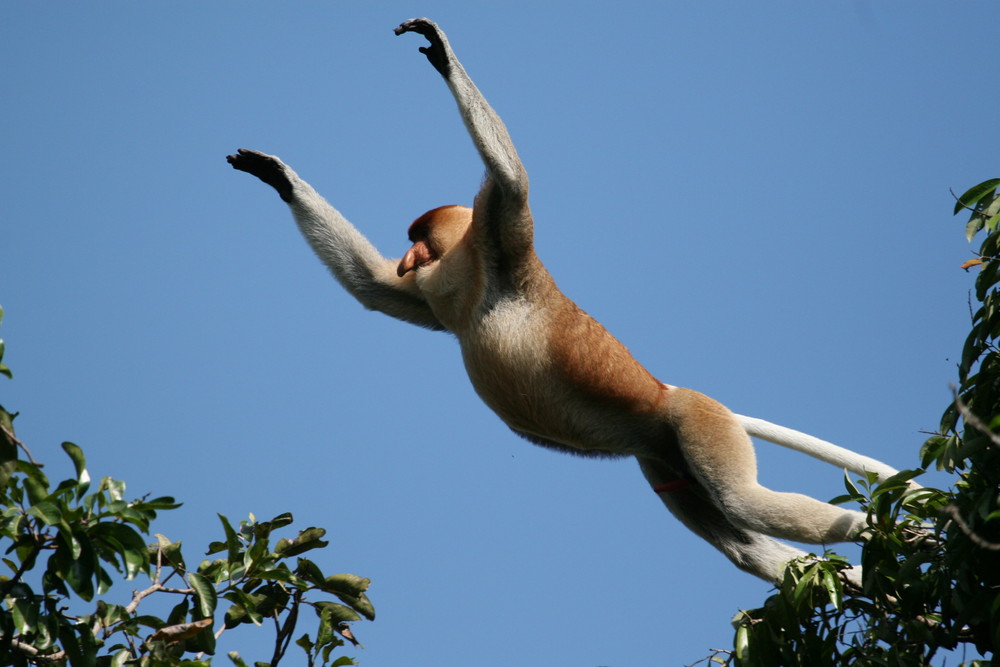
(266, 167)
(437, 52)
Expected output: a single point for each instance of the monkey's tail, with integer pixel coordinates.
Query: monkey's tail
(813, 446)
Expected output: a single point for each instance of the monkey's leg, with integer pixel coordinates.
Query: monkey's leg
(691, 503)
(720, 456)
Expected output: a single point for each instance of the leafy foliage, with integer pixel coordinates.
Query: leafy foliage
(65, 546)
(931, 557)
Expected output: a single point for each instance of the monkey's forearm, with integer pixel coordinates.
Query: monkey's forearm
(488, 132)
(354, 261)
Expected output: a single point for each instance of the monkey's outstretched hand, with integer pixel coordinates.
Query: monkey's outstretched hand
(267, 168)
(438, 53)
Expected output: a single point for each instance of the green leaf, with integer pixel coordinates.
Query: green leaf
(125, 541)
(350, 584)
(24, 613)
(233, 546)
(310, 572)
(80, 463)
(280, 573)
(802, 590)
(3, 367)
(72, 647)
(114, 487)
(852, 490)
(742, 644)
(4, 370)
(154, 622)
(79, 571)
(214, 570)
(833, 588)
(71, 540)
(180, 611)
(204, 594)
(338, 613)
(170, 552)
(305, 643)
(203, 642)
(976, 193)
(307, 539)
(36, 485)
(991, 224)
(8, 450)
(349, 588)
(236, 659)
(161, 503)
(362, 604)
(244, 608)
(281, 520)
(973, 226)
(46, 511)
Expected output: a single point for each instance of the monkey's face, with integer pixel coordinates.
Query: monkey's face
(433, 235)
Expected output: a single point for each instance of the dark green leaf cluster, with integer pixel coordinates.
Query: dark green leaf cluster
(64, 547)
(261, 584)
(931, 558)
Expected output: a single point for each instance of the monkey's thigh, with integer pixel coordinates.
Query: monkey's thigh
(720, 456)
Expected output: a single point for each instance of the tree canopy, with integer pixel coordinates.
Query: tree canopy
(931, 557)
(65, 546)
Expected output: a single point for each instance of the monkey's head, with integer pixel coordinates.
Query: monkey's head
(433, 234)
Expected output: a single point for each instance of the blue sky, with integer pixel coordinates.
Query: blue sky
(752, 196)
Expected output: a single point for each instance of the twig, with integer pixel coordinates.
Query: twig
(284, 633)
(137, 596)
(13, 438)
(25, 564)
(716, 652)
(974, 421)
(975, 211)
(952, 511)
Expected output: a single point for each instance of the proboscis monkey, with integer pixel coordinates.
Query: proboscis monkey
(552, 373)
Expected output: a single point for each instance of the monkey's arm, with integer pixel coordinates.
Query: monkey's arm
(503, 166)
(353, 260)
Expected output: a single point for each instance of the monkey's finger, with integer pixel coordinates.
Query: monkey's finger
(423, 26)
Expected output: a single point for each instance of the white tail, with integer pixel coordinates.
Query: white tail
(813, 446)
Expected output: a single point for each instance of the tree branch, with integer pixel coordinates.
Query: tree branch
(36, 655)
